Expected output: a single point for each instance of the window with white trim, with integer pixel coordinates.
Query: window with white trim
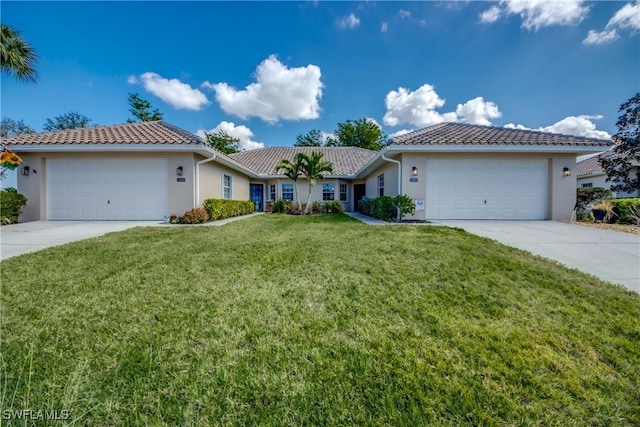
(380, 185)
(587, 185)
(272, 192)
(343, 192)
(226, 186)
(328, 191)
(287, 191)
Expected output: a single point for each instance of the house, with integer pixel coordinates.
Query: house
(591, 174)
(151, 169)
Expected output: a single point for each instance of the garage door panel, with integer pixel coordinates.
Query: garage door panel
(486, 189)
(107, 189)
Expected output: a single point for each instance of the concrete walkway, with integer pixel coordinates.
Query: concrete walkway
(610, 255)
(18, 239)
(366, 219)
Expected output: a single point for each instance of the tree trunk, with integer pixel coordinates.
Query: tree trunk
(311, 185)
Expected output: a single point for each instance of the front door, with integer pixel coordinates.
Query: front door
(256, 192)
(358, 193)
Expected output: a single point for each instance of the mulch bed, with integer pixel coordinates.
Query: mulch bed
(625, 228)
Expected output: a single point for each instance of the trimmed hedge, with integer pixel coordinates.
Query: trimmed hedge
(11, 204)
(622, 209)
(224, 208)
(382, 207)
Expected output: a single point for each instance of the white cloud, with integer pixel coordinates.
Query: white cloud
(536, 14)
(418, 108)
(173, 92)
(602, 37)
(571, 125)
(627, 17)
(400, 132)
(241, 132)
(491, 15)
(478, 112)
(385, 27)
(278, 93)
(404, 13)
(351, 21)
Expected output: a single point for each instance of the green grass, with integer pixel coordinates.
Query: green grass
(280, 320)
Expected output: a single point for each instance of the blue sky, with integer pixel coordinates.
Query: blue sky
(268, 71)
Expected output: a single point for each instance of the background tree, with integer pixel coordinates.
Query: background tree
(10, 127)
(626, 151)
(312, 166)
(311, 139)
(222, 141)
(71, 120)
(363, 133)
(17, 58)
(291, 169)
(142, 110)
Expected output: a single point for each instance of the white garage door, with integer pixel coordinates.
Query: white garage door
(107, 189)
(486, 189)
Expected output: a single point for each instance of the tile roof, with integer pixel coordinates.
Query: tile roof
(592, 164)
(345, 160)
(459, 133)
(158, 132)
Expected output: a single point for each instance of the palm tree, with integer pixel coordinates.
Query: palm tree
(313, 167)
(17, 57)
(292, 171)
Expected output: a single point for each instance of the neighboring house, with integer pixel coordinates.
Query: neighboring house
(151, 169)
(591, 174)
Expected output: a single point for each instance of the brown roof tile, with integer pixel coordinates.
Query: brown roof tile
(157, 132)
(345, 160)
(592, 164)
(465, 134)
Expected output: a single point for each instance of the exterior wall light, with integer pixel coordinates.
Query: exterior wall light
(25, 171)
(179, 171)
(566, 171)
(414, 171)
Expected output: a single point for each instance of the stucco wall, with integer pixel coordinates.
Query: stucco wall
(390, 171)
(601, 181)
(211, 181)
(180, 194)
(303, 189)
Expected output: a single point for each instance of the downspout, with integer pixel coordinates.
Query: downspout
(399, 171)
(197, 198)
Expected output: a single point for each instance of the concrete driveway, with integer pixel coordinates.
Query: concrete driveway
(18, 239)
(610, 255)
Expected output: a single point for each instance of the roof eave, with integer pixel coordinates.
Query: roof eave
(484, 148)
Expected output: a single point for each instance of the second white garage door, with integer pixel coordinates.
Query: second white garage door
(107, 189)
(487, 189)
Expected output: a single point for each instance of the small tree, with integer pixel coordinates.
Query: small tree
(363, 133)
(626, 152)
(72, 120)
(10, 127)
(291, 169)
(141, 110)
(17, 58)
(312, 166)
(222, 141)
(311, 139)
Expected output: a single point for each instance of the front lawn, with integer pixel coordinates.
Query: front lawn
(281, 320)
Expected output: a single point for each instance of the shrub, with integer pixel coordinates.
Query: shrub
(195, 216)
(281, 206)
(11, 204)
(623, 209)
(316, 207)
(224, 208)
(333, 207)
(588, 196)
(382, 207)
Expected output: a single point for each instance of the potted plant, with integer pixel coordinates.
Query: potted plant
(602, 211)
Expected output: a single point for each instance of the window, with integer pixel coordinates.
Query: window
(343, 192)
(226, 187)
(287, 191)
(272, 192)
(587, 185)
(328, 191)
(380, 185)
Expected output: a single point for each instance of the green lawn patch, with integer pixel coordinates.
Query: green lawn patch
(320, 320)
